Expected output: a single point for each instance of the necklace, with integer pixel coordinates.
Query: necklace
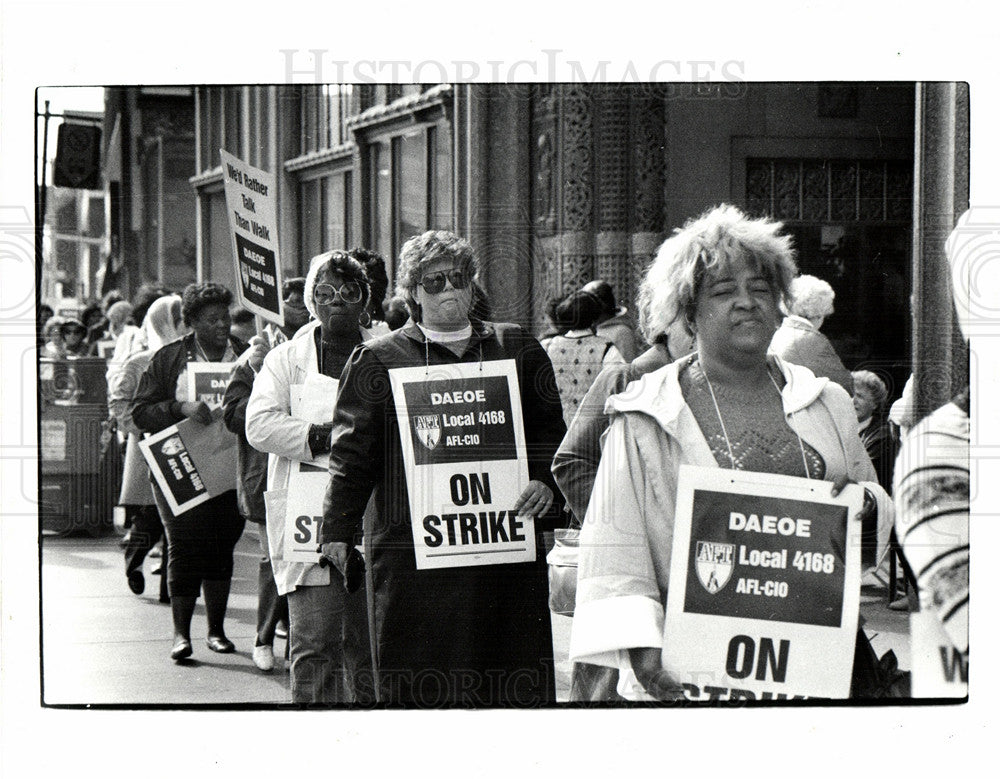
(725, 434)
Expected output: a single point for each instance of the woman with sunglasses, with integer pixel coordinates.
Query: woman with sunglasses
(328, 627)
(475, 635)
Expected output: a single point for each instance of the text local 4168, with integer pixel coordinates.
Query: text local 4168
(462, 437)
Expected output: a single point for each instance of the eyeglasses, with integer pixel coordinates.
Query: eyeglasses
(433, 283)
(350, 292)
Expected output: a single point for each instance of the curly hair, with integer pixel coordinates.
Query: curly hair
(339, 262)
(712, 241)
(810, 297)
(871, 382)
(199, 296)
(421, 250)
(374, 265)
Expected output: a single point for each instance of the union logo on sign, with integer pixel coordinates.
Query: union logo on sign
(428, 429)
(713, 562)
(172, 446)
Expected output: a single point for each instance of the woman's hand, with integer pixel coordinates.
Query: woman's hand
(653, 676)
(335, 552)
(869, 506)
(258, 351)
(535, 500)
(197, 410)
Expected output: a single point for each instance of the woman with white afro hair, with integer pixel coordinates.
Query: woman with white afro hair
(731, 405)
(799, 340)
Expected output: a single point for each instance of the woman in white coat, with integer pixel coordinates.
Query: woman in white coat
(731, 405)
(328, 630)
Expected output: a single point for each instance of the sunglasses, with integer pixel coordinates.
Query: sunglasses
(433, 283)
(350, 292)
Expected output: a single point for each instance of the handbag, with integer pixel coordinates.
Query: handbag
(563, 560)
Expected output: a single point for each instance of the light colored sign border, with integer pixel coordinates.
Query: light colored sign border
(145, 445)
(421, 477)
(196, 369)
(691, 639)
(266, 215)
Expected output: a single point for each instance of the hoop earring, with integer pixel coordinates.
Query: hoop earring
(367, 321)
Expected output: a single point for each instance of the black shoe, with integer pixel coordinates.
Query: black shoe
(220, 644)
(164, 599)
(136, 582)
(157, 571)
(182, 649)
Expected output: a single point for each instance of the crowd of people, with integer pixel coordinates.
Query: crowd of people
(723, 365)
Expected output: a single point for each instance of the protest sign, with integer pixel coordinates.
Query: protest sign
(462, 437)
(938, 669)
(764, 586)
(307, 485)
(251, 202)
(312, 401)
(207, 381)
(191, 463)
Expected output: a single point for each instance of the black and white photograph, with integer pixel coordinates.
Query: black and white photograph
(629, 392)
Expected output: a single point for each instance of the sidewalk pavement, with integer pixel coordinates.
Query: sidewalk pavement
(103, 645)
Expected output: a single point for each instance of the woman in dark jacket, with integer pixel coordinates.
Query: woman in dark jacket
(201, 540)
(471, 635)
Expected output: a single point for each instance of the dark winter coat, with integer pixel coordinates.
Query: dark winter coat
(477, 635)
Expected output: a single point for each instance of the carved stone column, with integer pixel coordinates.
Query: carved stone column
(648, 172)
(576, 245)
(598, 178)
(612, 260)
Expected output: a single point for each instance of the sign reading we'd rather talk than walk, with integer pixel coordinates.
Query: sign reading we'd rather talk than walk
(251, 202)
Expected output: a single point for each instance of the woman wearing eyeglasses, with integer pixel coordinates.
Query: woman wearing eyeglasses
(475, 635)
(328, 633)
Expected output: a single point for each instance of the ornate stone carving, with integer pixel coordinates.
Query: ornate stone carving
(612, 159)
(787, 176)
(577, 158)
(758, 187)
(843, 191)
(613, 263)
(545, 160)
(647, 119)
(815, 200)
(871, 197)
(837, 190)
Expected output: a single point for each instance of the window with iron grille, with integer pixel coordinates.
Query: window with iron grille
(797, 190)
(850, 221)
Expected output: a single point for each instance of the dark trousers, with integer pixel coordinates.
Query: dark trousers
(146, 531)
(271, 607)
(200, 542)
